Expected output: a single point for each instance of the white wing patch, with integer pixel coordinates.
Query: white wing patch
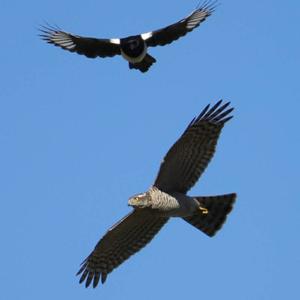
(115, 41)
(147, 35)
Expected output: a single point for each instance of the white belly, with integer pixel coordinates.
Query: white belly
(134, 60)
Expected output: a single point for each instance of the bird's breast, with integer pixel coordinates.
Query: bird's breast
(172, 205)
(133, 50)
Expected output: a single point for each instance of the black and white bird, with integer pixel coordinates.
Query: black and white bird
(132, 48)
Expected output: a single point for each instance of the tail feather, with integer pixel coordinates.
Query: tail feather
(212, 213)
(144, 65)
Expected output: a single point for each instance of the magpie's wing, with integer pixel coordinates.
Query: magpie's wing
(90, 47)
(173, 32)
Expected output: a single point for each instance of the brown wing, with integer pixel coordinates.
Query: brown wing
(121, 241)
(190, 155)
(173, 32)
(90, 47)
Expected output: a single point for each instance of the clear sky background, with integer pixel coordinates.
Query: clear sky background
(79, 136)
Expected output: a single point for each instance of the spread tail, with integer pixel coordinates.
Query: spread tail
(212, 213)
(144, 65)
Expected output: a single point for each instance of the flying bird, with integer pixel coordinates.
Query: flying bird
(132, 48)
(167, 197)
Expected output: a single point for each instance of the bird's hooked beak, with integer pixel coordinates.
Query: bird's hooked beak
(139, 201)
(132, 202)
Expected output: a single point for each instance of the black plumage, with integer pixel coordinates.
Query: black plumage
(132, 48)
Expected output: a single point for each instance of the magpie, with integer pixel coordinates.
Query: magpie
(132, 48)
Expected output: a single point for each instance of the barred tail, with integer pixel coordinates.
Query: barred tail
(144, 65)
(212, 213)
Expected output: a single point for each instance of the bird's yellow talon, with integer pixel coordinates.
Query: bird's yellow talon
(203, 210)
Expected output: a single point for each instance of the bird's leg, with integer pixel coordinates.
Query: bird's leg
(203, 210)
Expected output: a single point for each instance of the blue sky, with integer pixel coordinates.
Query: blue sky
(79, 136)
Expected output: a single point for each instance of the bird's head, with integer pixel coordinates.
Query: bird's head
(140, 200)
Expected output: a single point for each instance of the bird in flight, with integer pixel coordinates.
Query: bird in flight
(167, 197)
(132, 48)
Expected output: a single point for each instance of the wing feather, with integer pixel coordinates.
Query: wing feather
(121, 241)
(189, 156)
(173, 32)
(90, 47)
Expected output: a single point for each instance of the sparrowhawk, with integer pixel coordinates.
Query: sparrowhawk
(179, 171)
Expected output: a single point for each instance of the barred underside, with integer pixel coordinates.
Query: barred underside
(120, 242)
(189, 156)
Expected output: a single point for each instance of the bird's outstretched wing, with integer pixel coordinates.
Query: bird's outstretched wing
(190, 155)
(90, 47)
(173, 32)
(121, 241)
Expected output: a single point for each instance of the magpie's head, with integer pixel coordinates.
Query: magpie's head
(132, 42)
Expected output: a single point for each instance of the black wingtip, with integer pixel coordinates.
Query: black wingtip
(96, 279)
(47, 28)
(83, 276)
(46, 31)
(208, 5)
(89, 279)
(216, 114)
(103, 277)
(50, 27)
(80, 271)
(203, 112)
(82, 267)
